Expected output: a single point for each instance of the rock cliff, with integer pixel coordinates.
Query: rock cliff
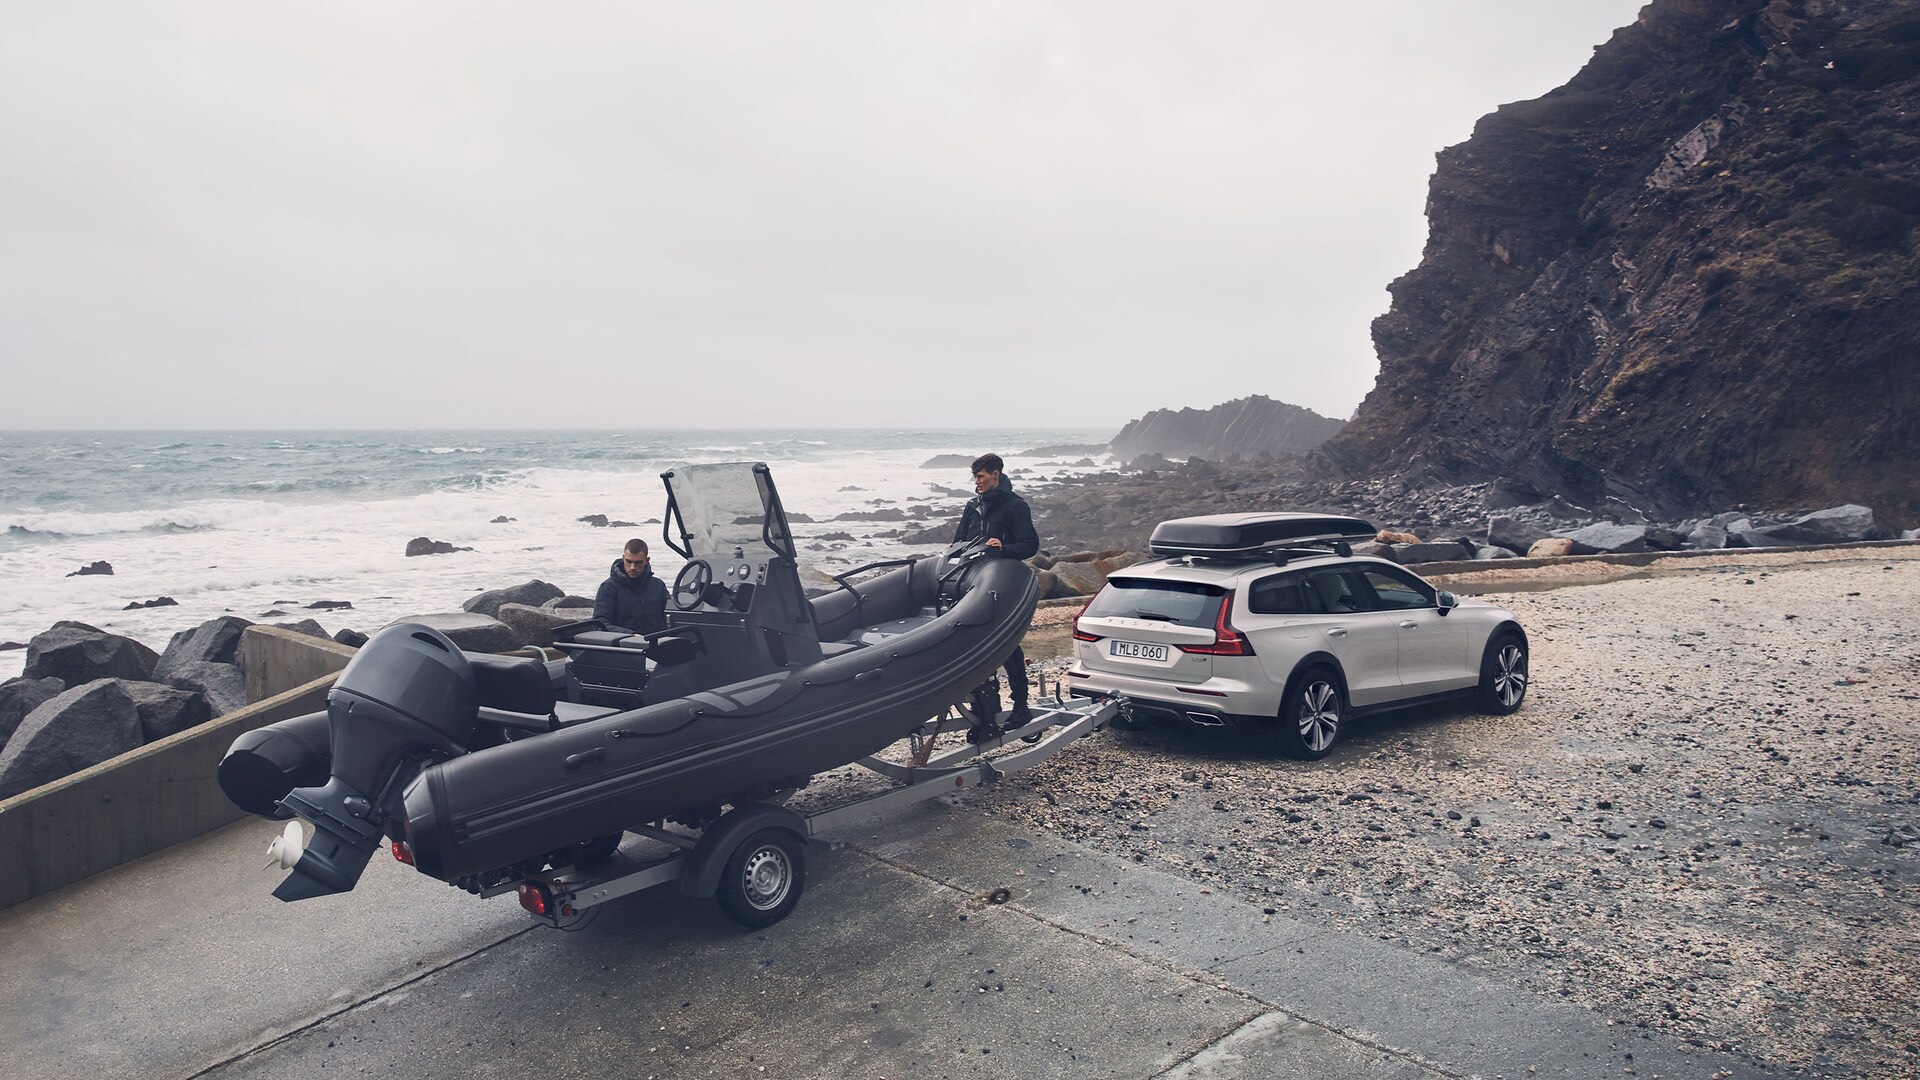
(1246, 426)
(1687, 279)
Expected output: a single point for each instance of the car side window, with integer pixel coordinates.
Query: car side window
(1395, 592)
(1337, 591)
(1279, 594)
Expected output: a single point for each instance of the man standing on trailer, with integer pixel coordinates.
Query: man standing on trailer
(1003, 519)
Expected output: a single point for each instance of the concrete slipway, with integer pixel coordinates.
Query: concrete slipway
(181, 964)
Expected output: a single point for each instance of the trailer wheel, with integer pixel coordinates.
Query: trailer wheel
(763, 879)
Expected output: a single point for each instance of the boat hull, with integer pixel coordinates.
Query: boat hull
(505, 804)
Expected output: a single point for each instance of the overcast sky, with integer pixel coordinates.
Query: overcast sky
(376, 214)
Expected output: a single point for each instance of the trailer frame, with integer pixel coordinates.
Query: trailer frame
(762, 892)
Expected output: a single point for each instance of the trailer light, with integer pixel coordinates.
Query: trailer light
(533, 897)
(402, 852)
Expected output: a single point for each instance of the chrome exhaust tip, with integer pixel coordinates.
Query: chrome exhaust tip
(1206, 719)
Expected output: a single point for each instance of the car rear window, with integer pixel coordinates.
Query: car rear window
(1187, 603)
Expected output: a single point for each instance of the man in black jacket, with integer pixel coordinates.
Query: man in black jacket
(631, 598)
(1004, 520)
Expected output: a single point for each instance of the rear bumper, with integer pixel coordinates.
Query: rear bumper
(1156, 701)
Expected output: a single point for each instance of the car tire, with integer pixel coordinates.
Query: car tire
(1313, 714)
(1503, 674)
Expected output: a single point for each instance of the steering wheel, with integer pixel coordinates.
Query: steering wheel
(691, 584)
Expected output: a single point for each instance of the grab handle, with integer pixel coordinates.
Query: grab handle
(587, 757)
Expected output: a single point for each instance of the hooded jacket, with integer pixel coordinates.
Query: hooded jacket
(1002, 515)
(635, 604)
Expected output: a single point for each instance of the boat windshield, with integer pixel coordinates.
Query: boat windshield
(726, 507)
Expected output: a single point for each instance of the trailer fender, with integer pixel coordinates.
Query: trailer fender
(708, 859)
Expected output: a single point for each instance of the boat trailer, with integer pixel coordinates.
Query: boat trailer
(752, 859)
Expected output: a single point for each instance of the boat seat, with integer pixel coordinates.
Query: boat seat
(518, 684)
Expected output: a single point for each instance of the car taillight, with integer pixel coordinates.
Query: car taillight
(1226, 640)
(1079, 634)
(402, 852)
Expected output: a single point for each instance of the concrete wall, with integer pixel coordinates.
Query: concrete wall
(165, 791)
(278, 660)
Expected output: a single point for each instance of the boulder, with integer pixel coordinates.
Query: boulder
(1047, 583)
(165, 710)
(1742, 532)
(1077, 578)
(1376, 549)
(100, 566)
(1486, 554)
(78, 728)
(531, 594)
(1707, 536)
(1107, 564)
(224, 687)
(300, 626)
(18, 697)
(216, 641)
(569, 601)
(1660, 538)
(598, 521)
(535, 625)
(420, 545)
(1388, 536)
(1910, 534)
(1512, 533)
(947, 461)
(1834, 525)
(502, 520)
(352, 639)
(344, 605)
(158, 601)
(77, 654)
(471, 631)
(1553, 547)
(1042, 561)
(1437, 551)
(1608, 538)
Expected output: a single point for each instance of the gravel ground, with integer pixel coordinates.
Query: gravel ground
(1705, 820)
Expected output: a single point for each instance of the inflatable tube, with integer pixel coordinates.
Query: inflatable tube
(504, 804)
(404, 749)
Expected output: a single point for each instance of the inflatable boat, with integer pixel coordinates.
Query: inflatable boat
(480, 768)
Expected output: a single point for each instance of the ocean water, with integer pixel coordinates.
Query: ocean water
(246, 523)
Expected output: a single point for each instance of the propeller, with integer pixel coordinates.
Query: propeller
(287, 848)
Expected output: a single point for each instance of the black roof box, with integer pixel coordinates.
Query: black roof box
(1219, 535)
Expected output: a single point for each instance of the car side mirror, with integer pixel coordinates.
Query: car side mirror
(1447, 602)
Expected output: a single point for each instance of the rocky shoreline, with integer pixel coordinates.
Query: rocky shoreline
(1117, 509)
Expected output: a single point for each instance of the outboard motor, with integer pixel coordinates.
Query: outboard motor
(264, 764)
(408, 698)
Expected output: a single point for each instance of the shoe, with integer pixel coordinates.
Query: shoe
(983, 733)
(1020, 717)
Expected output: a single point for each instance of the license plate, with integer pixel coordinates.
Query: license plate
(1134, 650)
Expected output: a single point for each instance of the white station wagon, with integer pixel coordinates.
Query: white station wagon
(1269, 620)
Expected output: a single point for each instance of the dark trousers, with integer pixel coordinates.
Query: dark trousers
(1016, 668)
